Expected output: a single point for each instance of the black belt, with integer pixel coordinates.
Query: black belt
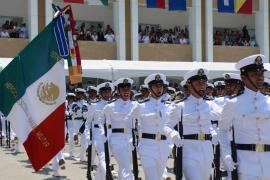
(201, 136)
(96, 126)
(214, 122)
(154, 136)
(79, 118)
(119, 130)
(253, 147)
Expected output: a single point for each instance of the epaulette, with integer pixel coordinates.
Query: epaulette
(208, 98)
(143, 101)
(236, 95)
(111, 101)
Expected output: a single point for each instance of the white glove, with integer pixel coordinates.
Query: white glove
(230, 165)
(176, 138)
(215, 139)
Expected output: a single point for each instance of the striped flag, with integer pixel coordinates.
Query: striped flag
(98, 2)
(73, 57)
(243, 6)
(156, 4)
(32, 97)
(177, 5)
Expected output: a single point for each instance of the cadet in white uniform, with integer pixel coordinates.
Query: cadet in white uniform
(154, 147)
(249, 114)
(197, 129)
(80, 109)
(121, 136)
(220, 93)
(95, 120)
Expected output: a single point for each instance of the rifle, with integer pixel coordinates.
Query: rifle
(179, 153)
(109, 175)
(7, 124)
(1, 133)
(217, 173)
(89, 158)
(66, 121)
(234, 157)
(134, 155)
(82, 128)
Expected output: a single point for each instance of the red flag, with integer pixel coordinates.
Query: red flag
(74, 1)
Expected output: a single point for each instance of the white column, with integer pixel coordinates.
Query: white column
(264, 27)
(196, 33)
(134, 30)
(120, 29)
(32, 11)
(209, 30)
(48, 11)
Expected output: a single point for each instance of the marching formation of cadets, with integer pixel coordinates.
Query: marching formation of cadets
(222, 137)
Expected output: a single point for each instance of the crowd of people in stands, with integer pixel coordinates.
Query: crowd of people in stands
(234, 38)
(95, 33)
(11, 29)
(175, 35)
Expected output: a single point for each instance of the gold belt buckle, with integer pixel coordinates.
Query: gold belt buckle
(158, 137)
(260, 147)
(201, 136)
(125, 130)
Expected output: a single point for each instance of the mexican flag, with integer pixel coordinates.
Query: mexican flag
(32, 97)
(98, 2)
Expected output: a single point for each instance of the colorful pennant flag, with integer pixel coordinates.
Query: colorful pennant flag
(156, 4)
(32, 97)
(74, 1)
(235, 6)
(243, 6)
(98, 2)
(177, 5)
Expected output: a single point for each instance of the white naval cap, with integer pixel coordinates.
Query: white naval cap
(171, 89)
(210, 85)
(266, 80)
(71, 94)
(231, 78)
(123, 81)
(196, 74)
(106, 85)
(91, 88)
(251, 63)
(183, 83)
(143, 86)
(155, 79)
(219, 83)
(81, 90)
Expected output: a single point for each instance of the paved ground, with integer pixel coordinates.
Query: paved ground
(14, 166)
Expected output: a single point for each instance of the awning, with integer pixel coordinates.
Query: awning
(114, 69)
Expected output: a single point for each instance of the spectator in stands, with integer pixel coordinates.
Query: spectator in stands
(109, 36)
(22, 31)
(94, 36)
(4, 33)
(146, 38)
(218, 38)
(88, 36)
(182, 40)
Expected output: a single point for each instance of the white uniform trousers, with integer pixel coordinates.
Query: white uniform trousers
(99, 146)
(154, 155)
(197, 159)
(55, 161)
(122, 151)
